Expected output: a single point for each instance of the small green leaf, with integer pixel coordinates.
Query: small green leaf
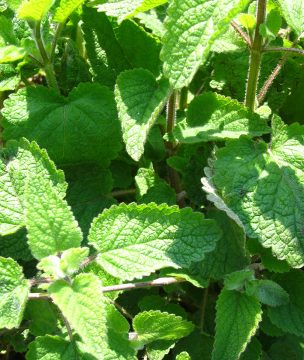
(83, 304)
(272, 25)
(150, 187)
(42, 317)
(183, 356)
(290, 317)
(247, 20)
(237, 319)
(56, 122)
(64, 265)
(14, 292)
(34, 10)
(15, 246)
(215, 117)
(140, 99)
(238, 279)
(51, 225)
(11, 53)
(293, 12)
(65, 9)
(156, 325)
(9, 77)
(267, 292)
(160, 236)
(191, 28)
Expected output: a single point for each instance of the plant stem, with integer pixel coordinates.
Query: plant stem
(47, 64)
(55, 40)
(256, 52)
(293, 50)
(119, 193)
(203, 309)
(242, 33)
(121, 287)
(173, 175)
(183, 99)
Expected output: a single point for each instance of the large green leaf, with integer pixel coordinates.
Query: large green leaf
(293, 12)
(135, 240)
(140, 99)
(51, 225)
(11, 53)
(290, 317)
(78, 128)
(262, 188)
(65, 9)
(83, 304)
(237, 319)
(18, 161)
(191, 28)
(214, 117)
(156, 325)
(14, 291)
(34, 10)
(104, 53)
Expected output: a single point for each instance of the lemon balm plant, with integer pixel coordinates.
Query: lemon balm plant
(151, 179)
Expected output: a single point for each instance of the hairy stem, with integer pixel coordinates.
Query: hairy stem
(55, 40)
(121, 287)
(47, 64)
(242, 33)
(173, 175)
(256, 52)
(293, 50)
(119, 193)
(183, 99)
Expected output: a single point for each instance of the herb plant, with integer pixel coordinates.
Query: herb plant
(152, 179)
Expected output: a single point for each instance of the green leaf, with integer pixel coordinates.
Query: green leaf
(247, 20)
(83, 305)
(150, 187)
(237, 319)
(253, 350)
(11, 53)
(293, 12)
(18, 161)
(64, 265)
(183, 356)
(140, 47)
(65, 9)
(238, 279)
(215, 117)
(119, 8)
(88, 192)
(229, 254)
(140, 99)
(272, 25)
(51, 348)
(34, 10)
(42, 317)
(15, 246)
(148, 5)
(263, 186)
(51, 225)
(156, 325)
(160, 236)
(56, 122)
(13, 293)
(267, 292)
(104, 52)
(191, 28)
(9, 78)
(290, 317)
(7, 31)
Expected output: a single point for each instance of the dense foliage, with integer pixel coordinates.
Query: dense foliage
(152, 179)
